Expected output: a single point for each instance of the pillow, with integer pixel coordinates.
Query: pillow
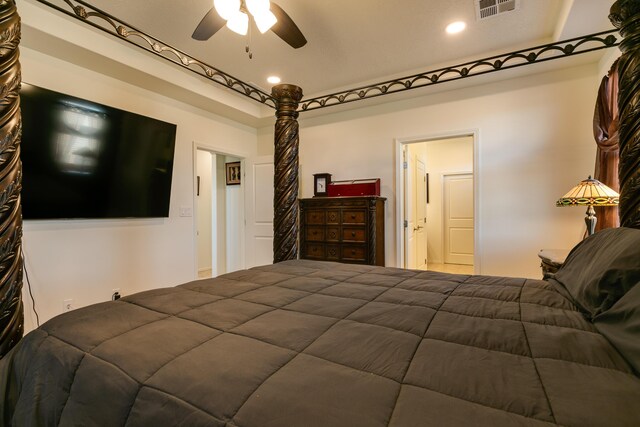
(621, 326)
(601, 269)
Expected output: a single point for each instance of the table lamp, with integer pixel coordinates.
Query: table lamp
(590, 192)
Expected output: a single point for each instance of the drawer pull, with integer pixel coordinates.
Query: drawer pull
(353, 234)
(353, 217)
(353, 252)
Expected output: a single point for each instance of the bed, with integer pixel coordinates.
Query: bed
(303, 343)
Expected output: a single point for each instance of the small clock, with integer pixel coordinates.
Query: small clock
(321, 183)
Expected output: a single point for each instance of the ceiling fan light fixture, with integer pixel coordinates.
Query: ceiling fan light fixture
(256, 7)
(265, 20)
(226, 8)
(239, 23)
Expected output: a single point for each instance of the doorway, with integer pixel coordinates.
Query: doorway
(437, 203)
(219, 215)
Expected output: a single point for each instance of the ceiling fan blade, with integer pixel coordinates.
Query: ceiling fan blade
(286, 29)
(209, 25)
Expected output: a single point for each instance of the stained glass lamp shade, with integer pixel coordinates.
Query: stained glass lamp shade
(590, 193)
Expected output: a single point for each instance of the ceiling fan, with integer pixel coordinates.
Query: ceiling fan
(235, 15)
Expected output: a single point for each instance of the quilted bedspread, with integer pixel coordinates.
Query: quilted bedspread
(305, 343)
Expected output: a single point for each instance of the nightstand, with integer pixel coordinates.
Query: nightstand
(552, 260)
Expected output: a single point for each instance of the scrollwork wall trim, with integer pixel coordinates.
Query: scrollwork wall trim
(496, 63)
(116, 27)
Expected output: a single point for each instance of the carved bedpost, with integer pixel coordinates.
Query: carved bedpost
(11, 311)
(625, 15)
(285, 201)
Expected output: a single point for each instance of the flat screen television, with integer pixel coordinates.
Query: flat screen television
(81, 159)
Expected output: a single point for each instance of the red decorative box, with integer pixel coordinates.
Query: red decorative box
(356, 187)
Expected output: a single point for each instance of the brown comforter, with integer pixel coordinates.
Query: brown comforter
(305, 343)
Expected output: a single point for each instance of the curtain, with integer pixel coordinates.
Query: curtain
(605, 130)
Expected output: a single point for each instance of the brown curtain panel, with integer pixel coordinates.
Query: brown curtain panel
(605, 130)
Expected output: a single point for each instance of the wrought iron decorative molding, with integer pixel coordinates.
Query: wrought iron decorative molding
(97, 18)
(114, 26)
(571, 47)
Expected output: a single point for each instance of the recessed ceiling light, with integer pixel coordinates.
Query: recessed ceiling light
(274, 80)
(456, 27)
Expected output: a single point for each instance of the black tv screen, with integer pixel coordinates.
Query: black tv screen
(85, 160)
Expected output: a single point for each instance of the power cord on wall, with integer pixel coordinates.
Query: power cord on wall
(26, 275)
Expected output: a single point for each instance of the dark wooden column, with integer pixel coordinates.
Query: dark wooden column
(625, 15)
(285, 200)
(11, 312)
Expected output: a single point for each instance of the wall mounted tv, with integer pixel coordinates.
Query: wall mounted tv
(85, 160)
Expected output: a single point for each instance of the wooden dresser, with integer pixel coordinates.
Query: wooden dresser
(343, 229)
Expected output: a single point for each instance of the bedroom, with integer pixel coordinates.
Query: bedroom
(372, 345)
(136, 254)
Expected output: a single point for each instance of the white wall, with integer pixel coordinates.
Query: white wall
(534, 143)
(443, 156)
(85, 260)
(204, 170)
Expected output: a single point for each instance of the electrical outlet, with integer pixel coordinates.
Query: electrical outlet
(67, 305)
(186, 211)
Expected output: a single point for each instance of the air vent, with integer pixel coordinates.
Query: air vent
(490, 8)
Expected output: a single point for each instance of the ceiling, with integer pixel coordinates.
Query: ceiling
(361, 41)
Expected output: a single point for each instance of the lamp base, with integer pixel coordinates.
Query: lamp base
(591, 220)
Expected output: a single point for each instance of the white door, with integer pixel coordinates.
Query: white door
(258, 191)
(458, 219)
(410, 209)
(421, 215)
(204, 212)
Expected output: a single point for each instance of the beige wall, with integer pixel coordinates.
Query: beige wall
(84, 260)
(534, 143)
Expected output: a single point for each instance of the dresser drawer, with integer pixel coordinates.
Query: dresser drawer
(313, 251)
(315, 233)
(354, 234)
(333, 216)
(332, 234)
(333, 252)
(314, 216)
(353, 216)
(354, 253)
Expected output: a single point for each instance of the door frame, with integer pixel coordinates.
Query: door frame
(400, 144)
(195, 146)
